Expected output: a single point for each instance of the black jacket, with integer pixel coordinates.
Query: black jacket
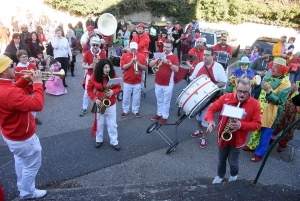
(260, 64)
(11, 48)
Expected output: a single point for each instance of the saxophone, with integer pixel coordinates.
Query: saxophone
(227, 134)
(105, 100)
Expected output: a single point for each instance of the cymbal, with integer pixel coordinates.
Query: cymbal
(190, 57)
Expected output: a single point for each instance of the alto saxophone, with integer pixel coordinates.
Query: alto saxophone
(227, 134)
(135, 64)
(105, 100)
(156, 68)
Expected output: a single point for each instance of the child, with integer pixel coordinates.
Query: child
(162, 39)
(40, 61)
(56, 86)
(25, 65)
(294, 68)
(118, 41)
(255, 53)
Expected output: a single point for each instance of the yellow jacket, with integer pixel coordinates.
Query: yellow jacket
(277, 51)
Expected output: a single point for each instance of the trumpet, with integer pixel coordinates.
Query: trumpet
(156, 68)
(46, 76)
(135, 65)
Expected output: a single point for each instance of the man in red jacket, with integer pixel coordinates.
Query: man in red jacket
(18, 125)
(132, 79)
(164, 82)
(250, 121)
(198, 51)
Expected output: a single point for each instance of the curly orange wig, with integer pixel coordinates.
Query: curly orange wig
(282, 69)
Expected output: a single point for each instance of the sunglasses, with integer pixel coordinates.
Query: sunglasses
(95, 45)
(244, 64)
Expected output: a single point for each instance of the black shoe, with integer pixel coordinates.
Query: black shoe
(73, 75)
(37, 121)
(116, 147)
(65, 85)
(83, 112)
(98, 144)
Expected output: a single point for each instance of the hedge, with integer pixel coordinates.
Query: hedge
(275, 12)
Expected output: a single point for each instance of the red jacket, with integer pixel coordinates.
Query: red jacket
(199, 54)
(16, 121)
(99, 90)
(143, 43)
(129, 76)
(251, 121)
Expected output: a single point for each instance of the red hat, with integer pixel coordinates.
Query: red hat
(141, 25)
(90, 28)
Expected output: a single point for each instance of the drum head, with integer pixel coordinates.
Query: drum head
(202, 105)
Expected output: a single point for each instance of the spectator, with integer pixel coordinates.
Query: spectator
(120, 24)
(15, 45)
(177, 31)
(25, 34)
(41, 35)
(169, 29)
(195, 37)
(14, 24)
(196, 24)
(96, 21)
(130, 26)
(89, 22)
(161, 40)
(132, 34)
(79, 33)
(61, 51)
(255, 53)
(125, 35)
(61, 27)
(44, 21)
(72, 29)
(34, 44)
(247, 52)
(4, 37)
(74, 46)
(279, 48)
(294, 68)
(186, 42)
(153, 33)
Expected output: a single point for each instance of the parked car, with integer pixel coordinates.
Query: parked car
(213, 36)
(265, 42)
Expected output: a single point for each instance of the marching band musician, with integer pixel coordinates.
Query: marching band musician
(89, 63)
(161, 40)
(230, 150)
(223, 46)
(164, 82)
(216, 73)
(132, 79)
(198, 51)
(25, 65)
(17, 125)
(96, 88)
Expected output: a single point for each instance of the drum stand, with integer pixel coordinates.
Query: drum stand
(156, 126)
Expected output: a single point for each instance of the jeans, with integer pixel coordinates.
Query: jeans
(232, 154)
(28, 159)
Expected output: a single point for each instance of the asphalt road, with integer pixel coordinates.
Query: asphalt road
(68, 149)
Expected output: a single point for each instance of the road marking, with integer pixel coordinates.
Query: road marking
(232, 64)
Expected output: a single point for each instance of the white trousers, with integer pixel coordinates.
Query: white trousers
(110, 117)
(85, 102)
(163, 98)
(28, 159)
(135, 90)
(201, 116)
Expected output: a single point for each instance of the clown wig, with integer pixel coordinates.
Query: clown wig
(282, 69)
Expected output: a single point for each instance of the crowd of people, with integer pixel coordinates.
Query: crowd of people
(269, 105)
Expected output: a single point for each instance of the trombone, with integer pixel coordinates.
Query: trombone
(46, 76)
(135, 65)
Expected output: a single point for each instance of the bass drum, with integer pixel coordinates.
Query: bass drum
(197, 96)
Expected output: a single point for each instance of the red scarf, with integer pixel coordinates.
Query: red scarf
(179, 27)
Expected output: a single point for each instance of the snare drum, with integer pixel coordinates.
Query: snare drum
(197, 95)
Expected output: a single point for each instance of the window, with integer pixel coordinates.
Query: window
(210, 40)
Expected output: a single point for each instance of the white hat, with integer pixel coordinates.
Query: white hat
(133, 45)
(283, 35)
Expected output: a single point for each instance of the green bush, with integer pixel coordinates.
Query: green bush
(275, 12)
